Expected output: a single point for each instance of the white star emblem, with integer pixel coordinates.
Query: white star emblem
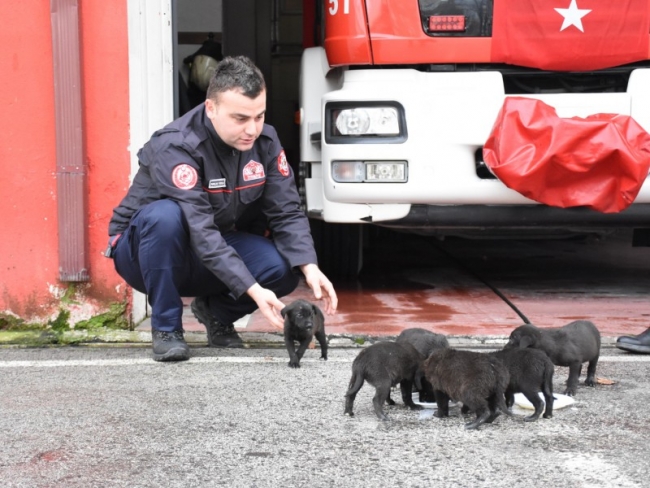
(572, 16)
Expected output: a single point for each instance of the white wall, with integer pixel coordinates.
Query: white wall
(151, 86)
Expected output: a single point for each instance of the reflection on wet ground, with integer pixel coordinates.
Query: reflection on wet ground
(463, 287)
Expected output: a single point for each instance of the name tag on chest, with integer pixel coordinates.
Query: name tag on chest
(218, 183)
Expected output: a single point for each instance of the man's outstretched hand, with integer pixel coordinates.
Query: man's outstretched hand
(268, 304)
(321, 286)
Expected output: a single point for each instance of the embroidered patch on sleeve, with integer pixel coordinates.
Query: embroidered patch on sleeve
(253, 171)
(184, 176)
(283, 164)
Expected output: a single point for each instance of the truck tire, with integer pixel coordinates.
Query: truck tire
(339, 248)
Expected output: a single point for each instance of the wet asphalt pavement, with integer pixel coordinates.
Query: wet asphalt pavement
(112, 417)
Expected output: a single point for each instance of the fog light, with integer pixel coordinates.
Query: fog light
(386, 171)
(369, 171)
(348, 171)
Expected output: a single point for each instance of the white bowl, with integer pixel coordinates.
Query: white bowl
(560, 401)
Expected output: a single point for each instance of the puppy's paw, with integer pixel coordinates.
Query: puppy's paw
(492, 417)
(416, 407)
(570, 392)
(590, 382)
(294, 364)
(324, 358)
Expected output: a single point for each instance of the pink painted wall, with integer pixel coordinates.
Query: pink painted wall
(29, 285)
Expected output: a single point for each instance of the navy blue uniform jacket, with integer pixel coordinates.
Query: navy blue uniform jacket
(217, 187)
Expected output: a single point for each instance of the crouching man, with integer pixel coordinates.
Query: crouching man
(213, 213)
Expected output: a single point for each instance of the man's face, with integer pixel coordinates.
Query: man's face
(236, 118)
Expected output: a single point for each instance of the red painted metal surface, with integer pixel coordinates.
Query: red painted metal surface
(397, 37)
(346, 33)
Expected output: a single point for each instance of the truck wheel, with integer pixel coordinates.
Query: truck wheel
(339, 248)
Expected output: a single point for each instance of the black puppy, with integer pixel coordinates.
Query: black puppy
(478, 380)
(531, 371)
(302, 322)
(384, 365)
(571, 345)
(425, 342)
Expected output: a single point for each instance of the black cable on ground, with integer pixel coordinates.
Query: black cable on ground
(470, 271)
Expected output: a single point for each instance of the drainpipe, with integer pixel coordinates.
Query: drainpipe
(70, 164)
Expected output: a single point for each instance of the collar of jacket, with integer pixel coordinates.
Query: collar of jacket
(220, 146)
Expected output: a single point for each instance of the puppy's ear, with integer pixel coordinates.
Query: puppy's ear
(317, 312)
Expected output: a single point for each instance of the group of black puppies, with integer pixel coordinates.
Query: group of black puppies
(485, 383)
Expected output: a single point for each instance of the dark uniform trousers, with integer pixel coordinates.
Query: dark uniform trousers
(153, 255)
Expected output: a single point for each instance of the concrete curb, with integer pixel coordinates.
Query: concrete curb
(36, 338)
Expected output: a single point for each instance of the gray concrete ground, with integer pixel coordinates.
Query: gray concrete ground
(112, 417)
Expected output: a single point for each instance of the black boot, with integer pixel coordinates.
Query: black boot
(637, 343)
(169, 346)
(219, 335)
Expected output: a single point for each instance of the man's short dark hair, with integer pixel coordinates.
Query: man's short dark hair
(233, 73)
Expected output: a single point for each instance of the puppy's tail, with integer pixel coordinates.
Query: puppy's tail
(547, 380)
(356, 382)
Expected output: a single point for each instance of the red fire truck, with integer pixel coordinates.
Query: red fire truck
(401, 98)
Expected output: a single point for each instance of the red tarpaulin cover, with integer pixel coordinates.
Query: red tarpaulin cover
(600, 161)
(570, 35)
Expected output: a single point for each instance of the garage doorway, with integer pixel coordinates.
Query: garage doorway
(163, 32)
(267, 31)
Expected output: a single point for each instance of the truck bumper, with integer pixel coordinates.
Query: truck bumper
(518, 217)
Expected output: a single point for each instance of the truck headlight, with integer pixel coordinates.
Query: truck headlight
(373, 122)
(380, 121)
(369, 171)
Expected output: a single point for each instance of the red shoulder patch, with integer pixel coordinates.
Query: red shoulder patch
(283, 164)
(184, 176)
